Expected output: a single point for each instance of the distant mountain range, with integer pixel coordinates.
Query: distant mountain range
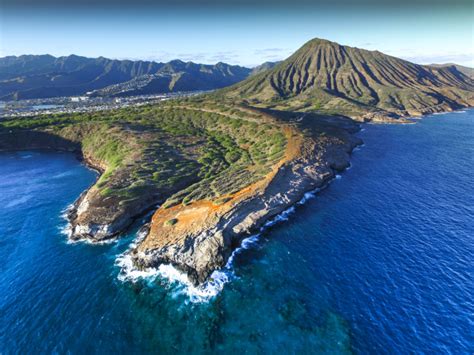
(321, 75)
(263, 67)
(465, 70)
(41, 76)
(328, 77)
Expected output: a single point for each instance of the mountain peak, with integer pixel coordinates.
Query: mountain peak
(319, 41)
(326, 76)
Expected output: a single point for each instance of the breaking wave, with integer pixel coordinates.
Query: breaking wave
(66, 230)
(179, 281)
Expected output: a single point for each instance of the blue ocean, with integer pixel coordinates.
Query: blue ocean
(381, 261)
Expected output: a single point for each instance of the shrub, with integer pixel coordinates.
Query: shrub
(171, 222)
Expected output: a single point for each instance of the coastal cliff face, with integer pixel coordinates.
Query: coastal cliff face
(199, 238)
(215, 168)
(176, 153)
(218, 171)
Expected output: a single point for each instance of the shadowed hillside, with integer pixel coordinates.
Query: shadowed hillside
(465, 70)
(328, 77)
(41, 76)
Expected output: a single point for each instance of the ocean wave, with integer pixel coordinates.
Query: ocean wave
(18, 201)
(62, 175)
(66, 230)
(95, 242)
(179, 281)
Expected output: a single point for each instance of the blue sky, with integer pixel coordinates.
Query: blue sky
(239, 34)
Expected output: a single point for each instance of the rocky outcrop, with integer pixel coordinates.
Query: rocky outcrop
(203, 236)
(94, 216)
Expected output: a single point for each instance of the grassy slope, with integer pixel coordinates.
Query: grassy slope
(327, 77)
(194, 148)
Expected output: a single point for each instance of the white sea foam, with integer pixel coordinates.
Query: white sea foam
(196, 294)
(92, 242)
(359, 147)
(306, 197)
(177, 280)
(180, 282)
(66, 230)
(338, 177)
(61, 175)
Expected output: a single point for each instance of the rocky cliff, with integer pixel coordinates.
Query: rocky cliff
(200, 237)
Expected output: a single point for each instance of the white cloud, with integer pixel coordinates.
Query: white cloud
(459, 58)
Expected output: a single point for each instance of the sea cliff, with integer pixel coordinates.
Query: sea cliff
(199, 238)
(252, 165)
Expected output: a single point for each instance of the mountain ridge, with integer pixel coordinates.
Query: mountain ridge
(40, 76)
(30, 76)
(329, 77)
(462, 68)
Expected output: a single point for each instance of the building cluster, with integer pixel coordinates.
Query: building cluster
(75, 104)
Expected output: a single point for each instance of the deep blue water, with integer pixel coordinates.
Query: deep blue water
(381, 261)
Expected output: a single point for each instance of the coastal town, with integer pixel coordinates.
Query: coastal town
(80, 104)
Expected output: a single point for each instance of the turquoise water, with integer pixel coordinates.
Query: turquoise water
(380, 261)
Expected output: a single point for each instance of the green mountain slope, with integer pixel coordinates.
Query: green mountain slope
(264, 67)
(32, 76)
(178, 76)
(328, 77)
(465, 70)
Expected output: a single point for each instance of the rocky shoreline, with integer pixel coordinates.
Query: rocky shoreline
(198, 238)
(210, 249)
(198, 249)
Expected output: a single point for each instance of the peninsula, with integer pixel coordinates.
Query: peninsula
(216, 167)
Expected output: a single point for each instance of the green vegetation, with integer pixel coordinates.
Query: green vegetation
(46, 76)
(171, 222)
(329, 78)
(190, 149)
